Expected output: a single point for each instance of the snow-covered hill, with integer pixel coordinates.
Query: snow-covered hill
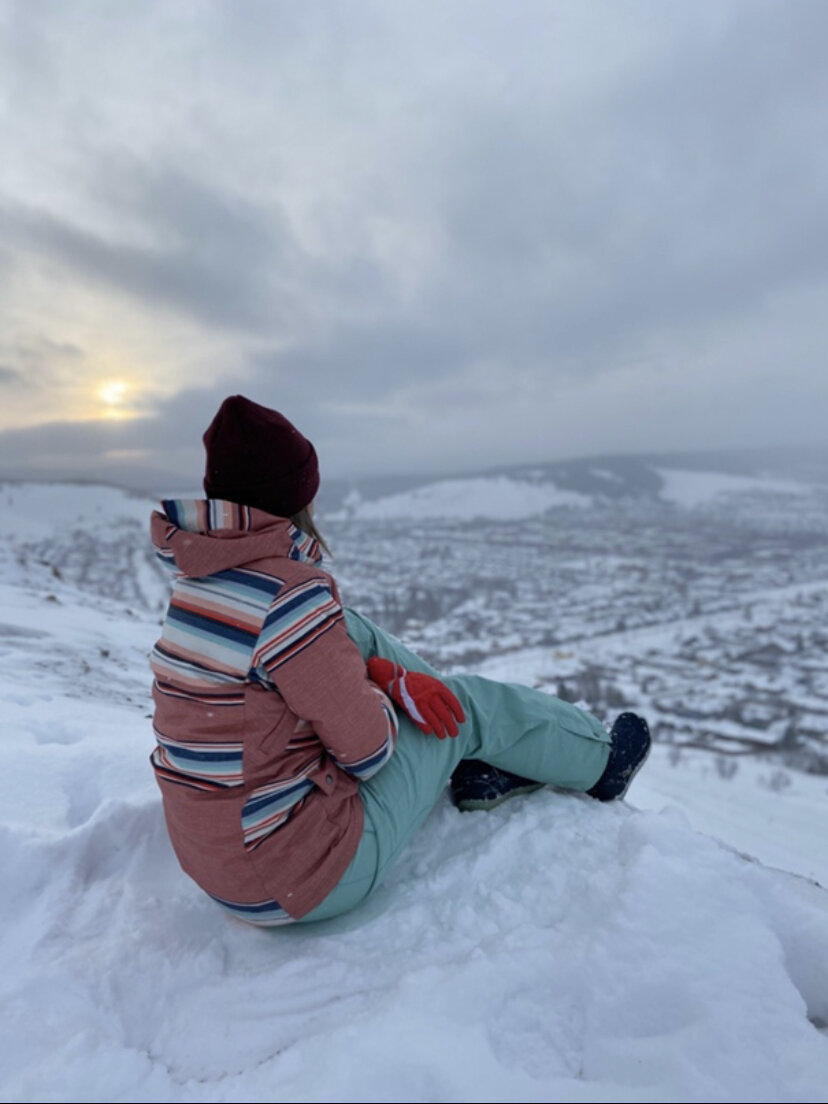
(466, 499)
(687, 480)
(552, 949)
(504, 498)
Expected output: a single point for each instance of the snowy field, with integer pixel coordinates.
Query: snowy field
(671, 948)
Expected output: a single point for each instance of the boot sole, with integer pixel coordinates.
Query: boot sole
(479, 805)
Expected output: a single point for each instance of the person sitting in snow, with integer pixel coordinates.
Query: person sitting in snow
(299, 746)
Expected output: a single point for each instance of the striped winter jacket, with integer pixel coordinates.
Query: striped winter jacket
(265, 719)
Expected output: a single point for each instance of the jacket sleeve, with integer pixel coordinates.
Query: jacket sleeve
(304, 651)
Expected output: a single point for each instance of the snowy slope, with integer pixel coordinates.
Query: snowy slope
(511, 497)
(692, 488)
(467, 499)
(552, 949)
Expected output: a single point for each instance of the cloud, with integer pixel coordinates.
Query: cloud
(144, 453)
(673, 201)
(401, 221)
(218, 277)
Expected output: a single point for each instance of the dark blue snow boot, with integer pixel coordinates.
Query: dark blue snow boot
(477, 785)
(630, 747)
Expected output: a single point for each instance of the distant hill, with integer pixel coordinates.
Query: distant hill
(685, 478)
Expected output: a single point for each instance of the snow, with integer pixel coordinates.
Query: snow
(692, 488)
(466, 499)
(553, 949)
(38, 509)
(787, 832)
(504, 498)
(606, 473)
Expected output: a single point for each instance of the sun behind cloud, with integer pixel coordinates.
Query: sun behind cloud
(114, 394)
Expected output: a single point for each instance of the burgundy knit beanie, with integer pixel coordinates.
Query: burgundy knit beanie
(255, 456)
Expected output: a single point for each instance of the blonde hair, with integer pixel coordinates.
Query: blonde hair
(305, 522)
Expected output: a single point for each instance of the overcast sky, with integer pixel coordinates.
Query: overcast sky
(438, 235)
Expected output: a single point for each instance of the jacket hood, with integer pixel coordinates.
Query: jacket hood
(202, 536)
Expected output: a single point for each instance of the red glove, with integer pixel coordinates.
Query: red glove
(430, 705)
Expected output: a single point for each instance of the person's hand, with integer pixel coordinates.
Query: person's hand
(430, 705)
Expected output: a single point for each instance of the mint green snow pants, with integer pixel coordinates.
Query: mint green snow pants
(514, 727)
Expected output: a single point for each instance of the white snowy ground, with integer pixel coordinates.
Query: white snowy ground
(554, 949)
